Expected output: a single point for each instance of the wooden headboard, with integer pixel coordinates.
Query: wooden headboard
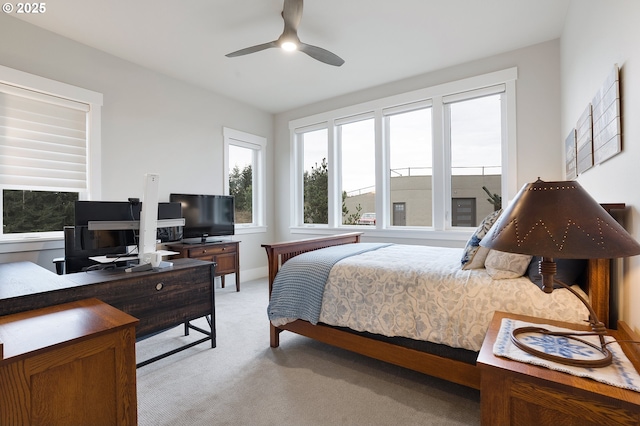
(599, 278)
(598, 284)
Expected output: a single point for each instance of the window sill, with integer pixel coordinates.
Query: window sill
(31, 244)
(250, 230)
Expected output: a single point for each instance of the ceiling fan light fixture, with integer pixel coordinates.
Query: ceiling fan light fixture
(289, 46)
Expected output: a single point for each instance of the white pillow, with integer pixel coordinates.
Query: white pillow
(501, 265)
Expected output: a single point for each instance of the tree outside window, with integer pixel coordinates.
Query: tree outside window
(27, 211)
(241, 182)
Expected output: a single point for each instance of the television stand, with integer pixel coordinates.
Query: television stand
(226, 255)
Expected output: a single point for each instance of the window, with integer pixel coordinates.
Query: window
(315, 176)
(358, 171)
(476, 156)
(49, 153)
(241, 182)
(411, 167)
(434, 160)
(244, 170)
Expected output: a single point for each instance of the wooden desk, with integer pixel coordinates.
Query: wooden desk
(68, 364)
(516, 393)
(225, 254)
(160, 300)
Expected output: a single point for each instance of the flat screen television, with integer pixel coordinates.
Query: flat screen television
(206, 217)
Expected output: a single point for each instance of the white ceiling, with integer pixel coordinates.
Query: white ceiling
(380, 40)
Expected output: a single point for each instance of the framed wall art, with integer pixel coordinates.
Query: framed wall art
(571, 168)
(584, 141)
(607, 140)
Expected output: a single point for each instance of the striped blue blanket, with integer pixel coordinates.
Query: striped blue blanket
(299, 286)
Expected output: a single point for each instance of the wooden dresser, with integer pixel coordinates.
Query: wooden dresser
(516, 393)
(225, 254)
(69, 364)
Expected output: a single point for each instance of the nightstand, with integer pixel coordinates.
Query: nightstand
(516, 393)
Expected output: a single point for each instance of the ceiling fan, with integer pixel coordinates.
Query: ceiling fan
(288, 40)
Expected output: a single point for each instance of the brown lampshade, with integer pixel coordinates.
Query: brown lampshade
(559, 220)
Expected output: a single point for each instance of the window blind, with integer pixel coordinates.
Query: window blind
(43, 141)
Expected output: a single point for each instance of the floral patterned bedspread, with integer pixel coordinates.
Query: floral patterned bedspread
(422, 293)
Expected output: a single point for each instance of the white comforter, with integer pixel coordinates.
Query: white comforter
(422, 293)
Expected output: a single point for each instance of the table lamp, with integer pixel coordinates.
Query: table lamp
(560, 220)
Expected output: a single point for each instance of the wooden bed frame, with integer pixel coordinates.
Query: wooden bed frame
(434, 365)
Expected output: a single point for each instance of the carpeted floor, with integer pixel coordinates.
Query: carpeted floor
(245, 382)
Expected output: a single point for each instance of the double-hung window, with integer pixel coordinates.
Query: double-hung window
(49, 154)
(434, 160)
(244, 165)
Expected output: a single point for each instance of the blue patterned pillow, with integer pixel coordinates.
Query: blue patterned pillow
(474, 255)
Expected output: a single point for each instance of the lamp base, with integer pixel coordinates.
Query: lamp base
(604, 360)
(547, 266)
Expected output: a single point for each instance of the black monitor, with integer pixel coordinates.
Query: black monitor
(107, 242)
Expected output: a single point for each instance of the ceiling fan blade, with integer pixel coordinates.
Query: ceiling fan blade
(321, 54)
(292, 14)
(252, 49)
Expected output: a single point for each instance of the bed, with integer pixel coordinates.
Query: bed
(444, 358)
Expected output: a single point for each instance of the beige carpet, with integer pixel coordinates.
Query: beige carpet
(245, 382)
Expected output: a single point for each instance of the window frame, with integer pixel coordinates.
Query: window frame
(435, 98)
(94, 100)
(258, 144)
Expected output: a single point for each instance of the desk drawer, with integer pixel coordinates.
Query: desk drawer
(163, 300)
(212, 250)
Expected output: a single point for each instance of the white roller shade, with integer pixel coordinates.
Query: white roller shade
(43, 141)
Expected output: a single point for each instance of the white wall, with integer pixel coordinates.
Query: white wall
(597, 35)
(150, 123)
(538, 120)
